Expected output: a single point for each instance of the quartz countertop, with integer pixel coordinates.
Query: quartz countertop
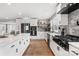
(8, 40)
(74, 44)
(54, 33)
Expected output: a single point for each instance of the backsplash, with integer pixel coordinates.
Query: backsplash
(65, 27)
(73, 27)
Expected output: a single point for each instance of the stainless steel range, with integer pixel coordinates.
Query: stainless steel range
(63, 40)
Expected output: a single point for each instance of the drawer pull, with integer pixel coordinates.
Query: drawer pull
(16, 50)
(75, 52)
(12, 46)
(24, 43)
(58, 48)
(19, 42)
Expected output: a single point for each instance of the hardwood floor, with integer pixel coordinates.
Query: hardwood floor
(38, 48)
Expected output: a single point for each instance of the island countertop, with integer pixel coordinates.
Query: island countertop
(10, 39)
(74, 44)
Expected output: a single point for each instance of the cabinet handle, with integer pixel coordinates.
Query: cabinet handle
(75, 52)
(24, 43)
(16, 50)
(19, 42)
(12, 46)
(58, 48)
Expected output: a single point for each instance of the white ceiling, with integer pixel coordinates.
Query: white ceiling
(18, 10)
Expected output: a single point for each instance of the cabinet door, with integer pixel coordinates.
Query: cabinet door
(19, 47)
(57, 50)
(63, 52)
(53, 47)
(73, 51)
(12, 49)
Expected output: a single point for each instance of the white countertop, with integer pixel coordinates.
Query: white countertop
(74, 44)
(9, 40)
(53, 34)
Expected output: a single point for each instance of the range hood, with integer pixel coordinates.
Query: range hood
(69, 8)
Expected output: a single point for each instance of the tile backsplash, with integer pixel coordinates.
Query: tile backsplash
(73, 27)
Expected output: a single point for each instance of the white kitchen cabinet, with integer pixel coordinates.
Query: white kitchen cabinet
(12, 49)
(33, 22)
(25, 41)
(53, 47)
(73, 51)
(16, 47)
(63, 52)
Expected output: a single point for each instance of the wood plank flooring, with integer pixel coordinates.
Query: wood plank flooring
(38, 48)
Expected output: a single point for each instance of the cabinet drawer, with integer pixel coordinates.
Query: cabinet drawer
(12, 49)
(73, 51)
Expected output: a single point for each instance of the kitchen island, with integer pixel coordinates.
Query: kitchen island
(14, 45)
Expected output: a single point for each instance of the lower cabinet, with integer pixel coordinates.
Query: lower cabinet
(73, 51)
(54, 47)
(17, 47)
(11, 49)
(23, 43)
(57, 50)
(63, 52)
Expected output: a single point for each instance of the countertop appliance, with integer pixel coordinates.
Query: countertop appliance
(63, 40)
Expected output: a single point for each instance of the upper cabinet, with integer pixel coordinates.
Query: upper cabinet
(42, 23)
(66, 8)
(32, 21)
